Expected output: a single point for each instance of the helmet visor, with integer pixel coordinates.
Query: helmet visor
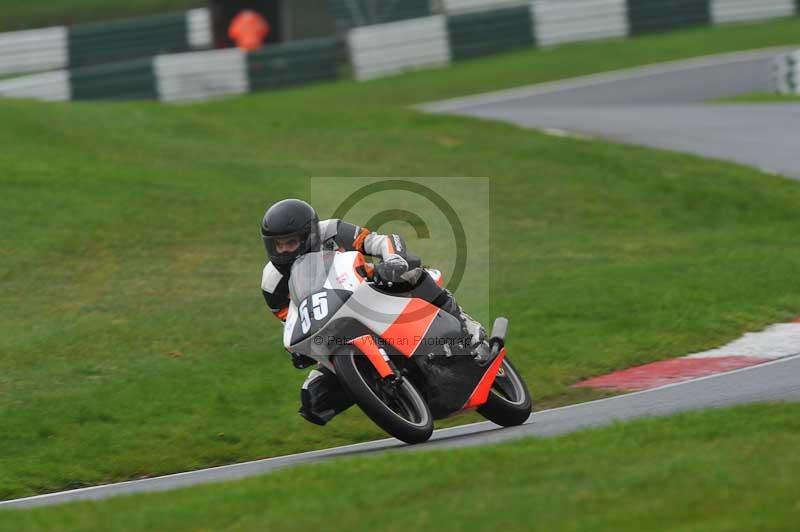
(284, 249)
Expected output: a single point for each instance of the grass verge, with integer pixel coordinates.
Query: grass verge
(761, 98)
(133, 337)
(713, 471)
(21, 15)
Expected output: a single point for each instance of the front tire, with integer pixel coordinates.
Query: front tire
(398, 409)
(509, 402)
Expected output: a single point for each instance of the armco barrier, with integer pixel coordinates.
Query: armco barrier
(201, 75)
(354, 13)
(723, 11)
(293, 64)
(386, 49)
(559, 21)
(489, 32)
(116, 81)
(454, 7)
(479, 27)
(200, 34)
(664, 15)
(376, 50)
(50, 86)
(787, 73)
(106, 42)
(186, 76)
(33, 50)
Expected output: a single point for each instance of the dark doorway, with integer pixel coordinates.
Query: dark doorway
(223, 11)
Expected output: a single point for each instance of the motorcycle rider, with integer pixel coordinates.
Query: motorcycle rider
(291, 228)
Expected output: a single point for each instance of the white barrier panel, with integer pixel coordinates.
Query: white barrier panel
(559, 21)
(33, 50)
(198, 22)
(385, 49)
(50, 86)
(201, 75)
(735, 10)
(452, 7)
(786, 73)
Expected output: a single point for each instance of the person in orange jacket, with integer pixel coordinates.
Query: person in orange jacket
(248, 30)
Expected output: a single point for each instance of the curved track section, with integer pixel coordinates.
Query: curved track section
(773, 381)
(657, 106)
(661, 106)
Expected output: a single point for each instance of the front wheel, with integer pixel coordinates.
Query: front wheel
(398, 408)
(509, 402)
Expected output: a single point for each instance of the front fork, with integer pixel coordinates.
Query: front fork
(376, 355)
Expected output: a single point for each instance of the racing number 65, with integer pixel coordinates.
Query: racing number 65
(319, 304)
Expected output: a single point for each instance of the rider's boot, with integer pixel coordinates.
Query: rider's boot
(471, 328)
(302, 361)
(322, 397)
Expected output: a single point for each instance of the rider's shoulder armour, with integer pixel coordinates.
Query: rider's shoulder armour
(328, 229)
(270, 278)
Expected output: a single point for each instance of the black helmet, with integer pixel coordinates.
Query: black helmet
(287, 218)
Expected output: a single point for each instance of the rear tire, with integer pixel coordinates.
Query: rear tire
(400, 411)
(509, 402)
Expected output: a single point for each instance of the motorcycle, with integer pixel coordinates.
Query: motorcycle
(404, 361)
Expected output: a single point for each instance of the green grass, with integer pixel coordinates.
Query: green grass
(761, 98)
(712, 471)
(133, 337)
(20, 14)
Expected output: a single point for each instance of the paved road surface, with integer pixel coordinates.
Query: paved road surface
(772, 381)
(662, 107)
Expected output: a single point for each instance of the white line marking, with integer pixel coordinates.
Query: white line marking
(333, 450)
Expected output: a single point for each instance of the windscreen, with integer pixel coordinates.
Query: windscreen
(309, 273)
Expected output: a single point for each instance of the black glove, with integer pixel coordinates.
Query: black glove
(391, 269)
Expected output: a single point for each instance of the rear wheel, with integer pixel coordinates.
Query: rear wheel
(396, 407)
(509, 402)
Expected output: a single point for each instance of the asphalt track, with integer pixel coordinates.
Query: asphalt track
(773, 381)
(656, 106)
(661, 106)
